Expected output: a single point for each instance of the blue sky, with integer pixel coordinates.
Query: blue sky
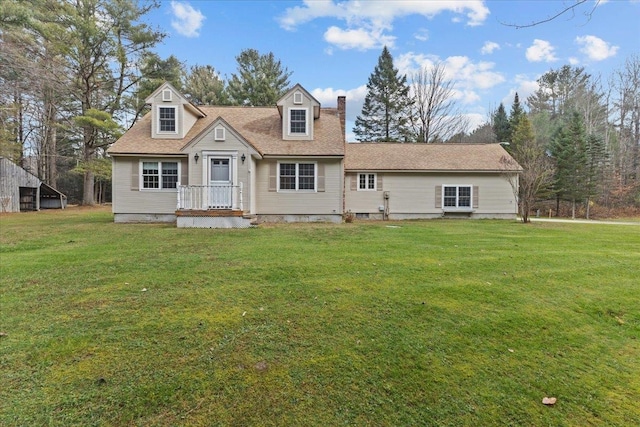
(333, 46)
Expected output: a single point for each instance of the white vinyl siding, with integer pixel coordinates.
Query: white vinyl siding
(325, 200)
(421, 194)
(130, 197)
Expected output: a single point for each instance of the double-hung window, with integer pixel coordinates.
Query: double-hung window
(298, 121)
(167, 119)
(297, 176)
(159, 175)
(366, 181)
(456, 196)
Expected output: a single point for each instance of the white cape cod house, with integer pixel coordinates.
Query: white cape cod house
(221, 166)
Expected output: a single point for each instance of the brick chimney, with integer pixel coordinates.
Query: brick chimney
(342, 114)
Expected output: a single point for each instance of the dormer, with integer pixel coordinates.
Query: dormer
(172, 115)
(298, 110)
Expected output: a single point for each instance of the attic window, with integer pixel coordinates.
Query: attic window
(297, 98)
(166, 95)
(219, 134)
(298, 121)
(167, 119)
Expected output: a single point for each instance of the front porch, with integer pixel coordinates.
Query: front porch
(211, 206)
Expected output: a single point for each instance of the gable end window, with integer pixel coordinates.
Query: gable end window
(297, 121)
(366, 181)
(456, 196)
(160, 175)
(297, 176)
(167, 119)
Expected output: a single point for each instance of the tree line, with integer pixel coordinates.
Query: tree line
(74, 76)
(576, 138)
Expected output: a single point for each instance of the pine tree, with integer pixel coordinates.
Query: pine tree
(516, 112)
(569, 149)
(261, 80)
(386, 110)
(501, 125)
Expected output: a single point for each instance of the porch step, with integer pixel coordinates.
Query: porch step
(209, 213)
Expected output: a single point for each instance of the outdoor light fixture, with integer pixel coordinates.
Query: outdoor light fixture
(243, 158)
(196, 157)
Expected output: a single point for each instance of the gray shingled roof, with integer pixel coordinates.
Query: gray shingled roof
(427, 157)
(260, 126)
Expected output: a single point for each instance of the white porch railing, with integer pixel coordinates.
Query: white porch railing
(205, 197)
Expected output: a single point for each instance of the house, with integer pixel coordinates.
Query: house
(412, 181)
(22, 191)
(222, 166)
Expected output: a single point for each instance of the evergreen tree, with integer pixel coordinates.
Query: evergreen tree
(537, 172)
(203, 86)
(261, 80)
(516, 112)
(154, 71)
(386, 110)
(501, 125)
(569, 149)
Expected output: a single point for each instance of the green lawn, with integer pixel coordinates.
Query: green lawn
(442, 322)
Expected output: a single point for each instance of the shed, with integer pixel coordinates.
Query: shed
(21, 191)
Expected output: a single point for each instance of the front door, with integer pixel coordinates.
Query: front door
(220, 183)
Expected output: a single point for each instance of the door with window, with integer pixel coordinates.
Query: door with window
(220, 183)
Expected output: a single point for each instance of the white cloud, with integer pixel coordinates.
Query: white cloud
(595, 48)
(489, 47)
(374, 18)
(357, 39)
(540, 51)
(573, 60)
(422, 35)
(187, 20)
(524, 88)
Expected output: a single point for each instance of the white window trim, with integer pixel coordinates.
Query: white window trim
(159, 161)
(306, 122)
(297, 180)
(165, 132)
(166, 95)
(457, 207)
(297, 98)
(375, 181)
(223, 133)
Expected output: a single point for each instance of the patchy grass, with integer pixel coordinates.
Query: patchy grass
(387, 324)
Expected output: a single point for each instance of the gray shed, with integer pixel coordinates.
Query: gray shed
(22, 191)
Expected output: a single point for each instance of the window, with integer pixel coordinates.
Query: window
(219, 134)
(366, 181)
(297, 176)
(298, 122)
(456, 196)
(159, 175)
(167, 119)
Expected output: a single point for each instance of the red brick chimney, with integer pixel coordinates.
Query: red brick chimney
(342, 114)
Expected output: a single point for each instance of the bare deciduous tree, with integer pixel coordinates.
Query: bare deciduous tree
(435, 116)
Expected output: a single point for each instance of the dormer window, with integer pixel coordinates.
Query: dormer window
(167, 119)
(298, 121)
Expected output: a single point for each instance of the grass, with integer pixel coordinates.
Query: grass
(382, 324)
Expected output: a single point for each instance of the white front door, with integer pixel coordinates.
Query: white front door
(220, 183)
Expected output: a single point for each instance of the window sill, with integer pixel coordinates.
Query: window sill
(460, 210)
